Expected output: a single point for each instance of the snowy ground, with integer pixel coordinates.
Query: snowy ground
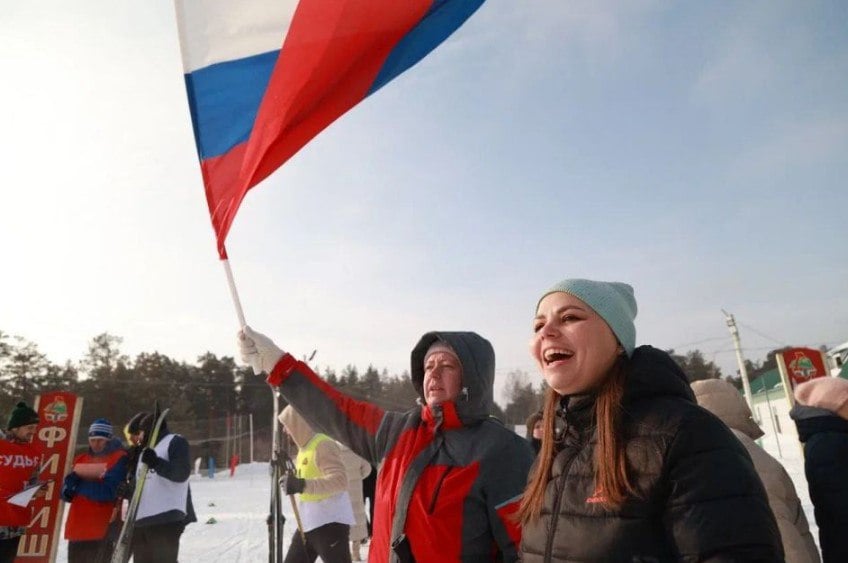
(239, 506)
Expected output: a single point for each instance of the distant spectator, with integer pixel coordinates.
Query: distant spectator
(20, 460)
(357, 469)
(92, 490)
(821, 415)
(534, 431)
(723, 400)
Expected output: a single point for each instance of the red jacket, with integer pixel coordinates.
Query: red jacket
(461, 504)
(93, 501)
(18, 464)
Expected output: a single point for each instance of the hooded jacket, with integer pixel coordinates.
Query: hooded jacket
(698, 496)
(462, 470)
(723, 400)
(328, 458)
(825, 437)
(535, 443)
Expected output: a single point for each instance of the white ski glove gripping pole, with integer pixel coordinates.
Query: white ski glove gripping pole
(258, 350)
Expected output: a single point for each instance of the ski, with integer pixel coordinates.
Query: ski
(276, 520)
(123, 545)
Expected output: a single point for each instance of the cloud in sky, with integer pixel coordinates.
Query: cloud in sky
(696, 151)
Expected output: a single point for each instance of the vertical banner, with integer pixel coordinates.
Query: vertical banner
(799, 365)
(59, 413)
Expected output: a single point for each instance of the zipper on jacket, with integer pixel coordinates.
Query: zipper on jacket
(560, 487)
(432, 506)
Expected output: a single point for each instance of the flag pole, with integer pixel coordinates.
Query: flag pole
(234, 292)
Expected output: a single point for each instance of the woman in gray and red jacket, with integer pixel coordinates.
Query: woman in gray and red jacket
(451, 476)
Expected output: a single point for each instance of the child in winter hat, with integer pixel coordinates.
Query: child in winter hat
(612, 301)
(101, 428)
(22, 415)
(830, 393)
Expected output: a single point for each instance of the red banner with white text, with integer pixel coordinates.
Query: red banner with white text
(59, 414)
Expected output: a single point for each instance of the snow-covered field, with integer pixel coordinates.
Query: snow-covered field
(231, 516)
(231, 511)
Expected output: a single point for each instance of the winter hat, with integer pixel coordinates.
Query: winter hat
(101, 428)
(22, 415)
(148, 422)
(531, 422)
(829, 393)
(134, 425)
(440, 346)
(612, 301)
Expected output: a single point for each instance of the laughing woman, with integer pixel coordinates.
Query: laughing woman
(630, 468)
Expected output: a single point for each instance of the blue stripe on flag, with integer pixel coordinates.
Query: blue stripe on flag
(442, 19)
(224, 99)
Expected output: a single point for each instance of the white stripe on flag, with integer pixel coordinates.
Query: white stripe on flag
(214, 31)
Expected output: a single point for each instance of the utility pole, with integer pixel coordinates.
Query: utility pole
(746, 385)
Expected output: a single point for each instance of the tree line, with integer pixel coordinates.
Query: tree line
(115, 386)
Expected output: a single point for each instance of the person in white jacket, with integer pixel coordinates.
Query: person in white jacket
(321, 488)
(722, 399)
(357, 469)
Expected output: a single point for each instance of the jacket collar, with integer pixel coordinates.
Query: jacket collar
(442, 416)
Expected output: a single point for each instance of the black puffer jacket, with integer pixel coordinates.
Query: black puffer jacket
(825, 436)
(701, 499)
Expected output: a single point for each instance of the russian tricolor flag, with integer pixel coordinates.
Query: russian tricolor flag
(265, 76)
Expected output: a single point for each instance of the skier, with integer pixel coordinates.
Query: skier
(450, 477)
(92, 489)
(631, 469)
(19, 463)
(320, 484)
(821, 416)
(722, 399)
(165, 507)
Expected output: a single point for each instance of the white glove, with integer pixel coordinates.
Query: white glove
(258, 350)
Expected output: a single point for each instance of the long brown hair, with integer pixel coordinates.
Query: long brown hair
(612, 480)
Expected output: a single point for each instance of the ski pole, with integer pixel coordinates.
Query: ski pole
(290, 467)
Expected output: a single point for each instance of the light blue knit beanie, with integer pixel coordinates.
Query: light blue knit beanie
(612, 301)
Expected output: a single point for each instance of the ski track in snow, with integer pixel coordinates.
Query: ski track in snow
(240, 506)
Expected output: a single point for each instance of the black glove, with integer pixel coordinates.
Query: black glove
(149, 458)
(293, 485)
(69, 487)
(124, 490)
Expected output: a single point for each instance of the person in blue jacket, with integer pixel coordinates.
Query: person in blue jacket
(92, 490)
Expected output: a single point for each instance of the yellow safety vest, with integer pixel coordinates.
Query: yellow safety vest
(308, 469)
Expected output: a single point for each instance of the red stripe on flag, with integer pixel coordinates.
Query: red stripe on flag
(221, 180)
(332, 54)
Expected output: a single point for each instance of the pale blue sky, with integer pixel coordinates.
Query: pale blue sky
(694, 150)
